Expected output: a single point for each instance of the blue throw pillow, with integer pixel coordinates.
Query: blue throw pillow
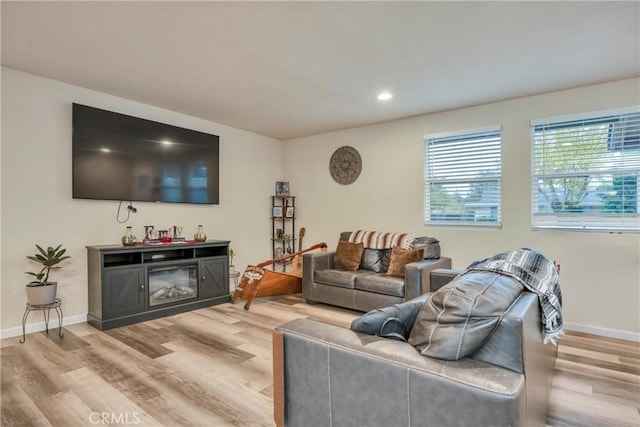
(394, 322)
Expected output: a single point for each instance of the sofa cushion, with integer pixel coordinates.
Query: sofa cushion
(348, 256)
(400, 257)
(340, 278)
(381, 283)
(393, 322)
(462, 315)
(372, 259)
(430, 245)
(386, 260)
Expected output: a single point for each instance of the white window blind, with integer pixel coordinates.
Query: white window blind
(585, 172)
(463, 178)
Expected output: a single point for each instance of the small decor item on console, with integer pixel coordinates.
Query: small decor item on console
(149, 234)
(165, 236)
(177, 233)
(200, 236)
(128, 239)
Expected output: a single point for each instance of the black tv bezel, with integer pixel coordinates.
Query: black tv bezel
(170, 129)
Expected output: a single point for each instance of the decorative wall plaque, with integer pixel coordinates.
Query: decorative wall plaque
(345, 165)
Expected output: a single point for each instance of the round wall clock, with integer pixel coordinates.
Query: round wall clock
(345, 165)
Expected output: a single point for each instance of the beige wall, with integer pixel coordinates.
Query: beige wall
(37, 206)
(600, 272)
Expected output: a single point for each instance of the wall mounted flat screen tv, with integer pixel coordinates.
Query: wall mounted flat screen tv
(120, 157)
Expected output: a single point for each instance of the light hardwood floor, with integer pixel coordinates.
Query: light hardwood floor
(212, 367)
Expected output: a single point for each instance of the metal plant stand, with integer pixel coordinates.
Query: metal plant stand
(46, 309)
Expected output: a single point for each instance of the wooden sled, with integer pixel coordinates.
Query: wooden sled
(259, 281)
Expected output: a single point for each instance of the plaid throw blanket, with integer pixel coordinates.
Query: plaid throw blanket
(379, 240)
(537, 274)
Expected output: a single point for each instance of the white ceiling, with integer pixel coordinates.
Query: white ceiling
(291, 69)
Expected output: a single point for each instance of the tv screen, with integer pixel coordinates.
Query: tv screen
(119, 157)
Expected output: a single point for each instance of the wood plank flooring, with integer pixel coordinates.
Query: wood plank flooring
(212, 367)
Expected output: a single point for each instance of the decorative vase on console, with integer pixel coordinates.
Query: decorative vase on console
(128, 239)
(200, 236)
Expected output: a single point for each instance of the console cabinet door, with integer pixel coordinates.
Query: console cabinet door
(214, 277)
(124, 291)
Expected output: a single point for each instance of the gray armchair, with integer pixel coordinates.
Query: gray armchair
(326, 375)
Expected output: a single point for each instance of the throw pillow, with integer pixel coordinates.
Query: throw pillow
(393, 322)
(348, 255)
(372, 260)
(431, 246)
(386, 259)
(400, 257)
(461, 316)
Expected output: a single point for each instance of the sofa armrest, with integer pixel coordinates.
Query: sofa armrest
(361, 379)
(441, 276)
(312, 262)
(417, 276)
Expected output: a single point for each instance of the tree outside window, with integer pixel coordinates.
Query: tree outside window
(585, 173)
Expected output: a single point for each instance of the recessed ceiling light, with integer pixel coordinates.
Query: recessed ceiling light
(166, 142)
(384, 96)
(105, 150)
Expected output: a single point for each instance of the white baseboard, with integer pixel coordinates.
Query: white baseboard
(610, 333)
(37, 327)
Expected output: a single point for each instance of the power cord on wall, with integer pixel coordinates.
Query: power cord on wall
(130, 209)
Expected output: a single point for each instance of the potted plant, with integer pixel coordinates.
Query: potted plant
(41, 291)
(232, 268)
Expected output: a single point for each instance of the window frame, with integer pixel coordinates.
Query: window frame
(595, 222)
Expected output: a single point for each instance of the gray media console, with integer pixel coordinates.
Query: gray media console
(130, 284)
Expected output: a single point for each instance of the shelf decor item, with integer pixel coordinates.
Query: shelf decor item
(290, 212)
(277, 211)
(282, 188)
(41, 291)
(200, 236)
(128, 239)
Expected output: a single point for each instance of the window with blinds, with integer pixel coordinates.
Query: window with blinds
(462, 175)
(585, 172)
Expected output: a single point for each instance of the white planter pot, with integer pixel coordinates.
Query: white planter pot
(41, 294)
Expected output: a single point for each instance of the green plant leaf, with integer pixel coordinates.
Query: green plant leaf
(49, 260)
(41, 250)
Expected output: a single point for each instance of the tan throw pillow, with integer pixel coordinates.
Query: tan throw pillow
(400, 257)
(348, 256)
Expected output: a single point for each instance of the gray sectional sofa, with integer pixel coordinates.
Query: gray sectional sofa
(325, 375)
(369, 287)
